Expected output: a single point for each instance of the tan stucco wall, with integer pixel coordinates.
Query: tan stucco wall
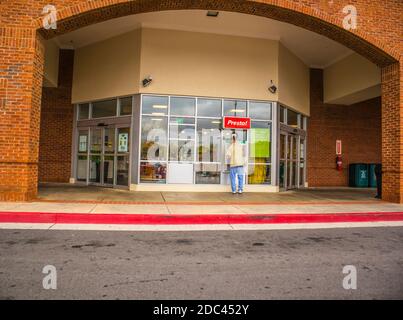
(51, 65)
(293, 84)
(346, 80)
(201, 64)
(107, 69)
(190, 63)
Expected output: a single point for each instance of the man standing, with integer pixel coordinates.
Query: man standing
(237, 162)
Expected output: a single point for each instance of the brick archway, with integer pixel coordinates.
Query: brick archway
(22, 36)
(89, 12)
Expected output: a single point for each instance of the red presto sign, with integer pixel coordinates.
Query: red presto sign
(236, 123)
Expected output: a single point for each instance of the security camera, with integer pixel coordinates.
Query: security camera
(272, 88)
(147, 81)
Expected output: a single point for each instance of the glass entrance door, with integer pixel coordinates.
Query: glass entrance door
(289, 164)
(108, 156)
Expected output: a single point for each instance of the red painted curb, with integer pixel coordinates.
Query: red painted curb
(160, 219)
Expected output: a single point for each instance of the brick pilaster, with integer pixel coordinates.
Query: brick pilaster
(21, 60)
(392, 144)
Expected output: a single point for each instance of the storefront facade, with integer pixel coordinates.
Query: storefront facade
(162, 142)
(45, 143)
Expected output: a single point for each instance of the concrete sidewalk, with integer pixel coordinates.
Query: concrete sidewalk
(93, 194)
(91, 208)
(175, 209)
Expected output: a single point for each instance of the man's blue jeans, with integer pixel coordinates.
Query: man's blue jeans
(233, 172)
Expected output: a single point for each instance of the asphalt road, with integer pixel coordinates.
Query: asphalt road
(292, 264)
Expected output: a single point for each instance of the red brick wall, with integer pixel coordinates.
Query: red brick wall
(57, 125)
(358, 126)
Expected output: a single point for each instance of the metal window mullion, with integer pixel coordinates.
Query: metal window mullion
(88, 155)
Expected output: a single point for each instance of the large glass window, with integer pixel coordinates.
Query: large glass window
(154, 138)
(260, 142)
(154, 105)
(292, 118)
(208, 140)
(82, 161)
(282, 114)
(259, 169)
(106, 108)
(209, 108)
(260, 110)
(125, 108)
(184, 135)
(153, 172)
(83, 111)
(235, 108)
(96, 141)
(183, 106)
(181, 139)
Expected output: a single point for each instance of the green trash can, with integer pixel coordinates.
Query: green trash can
(371, 175)
(358, 175)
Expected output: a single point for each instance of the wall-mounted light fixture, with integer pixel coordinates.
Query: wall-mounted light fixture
(147, 81)
(212, 14)
(272, 88)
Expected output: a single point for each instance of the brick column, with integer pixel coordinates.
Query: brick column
(392, 147)
(21, 71)
(57, 125)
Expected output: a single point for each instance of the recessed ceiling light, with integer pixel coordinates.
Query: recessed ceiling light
(159, 106)
(212, 14)
(237, 110)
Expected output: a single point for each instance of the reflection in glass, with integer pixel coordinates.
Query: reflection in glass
(260, 110)
(282, 174)
(83, 111)
(83, 141)
(235, 108)
(183, 106)
(282, 115)
(153, 172)
(181, 128)
(294, 148)
(108, 169)
(282, 146)
(96, 141)
(181, 150)
(106, 108)
(109, 140)
(82, 168)
(294, 173)
(259, 174)
(122, 170)
(125, 106)
(207, 173)
(154, 138)
(301, 174)
(292, 118)
(155, 105)
(302, 149)
(95, 169)
(208, 140)
(209, 108)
